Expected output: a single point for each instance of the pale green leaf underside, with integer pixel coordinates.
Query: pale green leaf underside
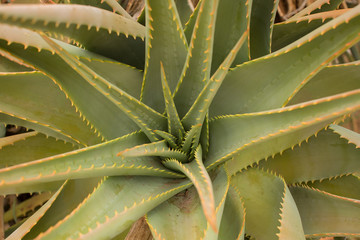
(252, 137)
(324, 156)
(321, 213)
(96, 29)
(284, 72)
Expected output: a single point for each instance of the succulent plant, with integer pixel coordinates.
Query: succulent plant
(213, 123)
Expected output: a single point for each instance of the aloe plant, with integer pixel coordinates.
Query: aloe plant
(221, 125)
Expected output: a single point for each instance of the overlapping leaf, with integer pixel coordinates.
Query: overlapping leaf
(249, 138)
(284, 72)
(96, 29)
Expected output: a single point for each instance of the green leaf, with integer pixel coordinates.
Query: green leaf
(336, 78)
(40, 101)
(95, 161)
(345, 186)
(21, 231)
(2, 132)
(284, 72)
(174, 123)
(233, 20)
(159, 149)
(271, 212)
(284, 33)
(29, 146)
(170, 139)
(190, 24)
(130, 80)
(198, 110)
(320, 213)
(184, 9)
(10, 118)
(72, 194)
(261, 25)
(96, 29)
(170, 219)
(169, 48)
(116, 213)
(248, 138)
(196, 72)
(321, 157)
(190, 138)
(233, 218)
(146, 118)
(34, 188)
(7, 65)
(204, 137)
(198, 175)
(184, 210)
(109, 122)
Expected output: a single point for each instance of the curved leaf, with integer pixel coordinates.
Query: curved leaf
(94, 161)
(39, 100)
(109, 122)
(145, 117)
(198, 175)
(21, 231)
(285, 33)
(196, 72)
(345, 186)
(29, 146)
(321, 157)
(72, 194)
(232, 21)
(116, 213)
(261, 25)
(96, 29)
(320, 213)
(284, 72)
(271, 212)
(336, 78)
(169, 48)
(248, 138)
(173, 218)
